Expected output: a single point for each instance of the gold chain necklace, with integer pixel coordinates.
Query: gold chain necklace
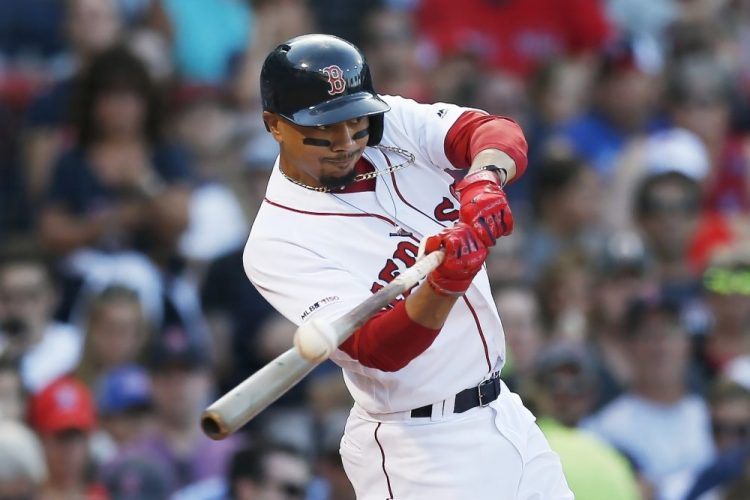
(410, 158)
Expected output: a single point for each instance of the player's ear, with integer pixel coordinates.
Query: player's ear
(272, 121)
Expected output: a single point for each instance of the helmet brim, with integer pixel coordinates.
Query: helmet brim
(339, 109)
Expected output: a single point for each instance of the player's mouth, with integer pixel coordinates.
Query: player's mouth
(340, 163)
(344, 160)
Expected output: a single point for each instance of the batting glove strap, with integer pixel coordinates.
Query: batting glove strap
(484, 206)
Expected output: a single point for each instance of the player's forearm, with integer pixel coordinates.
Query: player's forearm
(389, 340)
(428, 308)
(494, 157)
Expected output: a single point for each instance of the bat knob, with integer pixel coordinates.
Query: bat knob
(213, 425)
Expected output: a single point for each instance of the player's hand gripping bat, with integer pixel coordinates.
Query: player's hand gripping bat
(314, 342)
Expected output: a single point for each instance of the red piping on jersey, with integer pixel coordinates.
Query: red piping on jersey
(398, 192)
(307, 212)
(474, 132)
(390, 339)
(382, 454)
(481, 333)
(476, 318)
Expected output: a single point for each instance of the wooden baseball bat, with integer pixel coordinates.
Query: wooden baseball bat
(258, 391)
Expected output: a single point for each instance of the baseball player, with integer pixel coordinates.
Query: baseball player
(361, 181)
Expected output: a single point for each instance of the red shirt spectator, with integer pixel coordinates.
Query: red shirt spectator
(515, 35)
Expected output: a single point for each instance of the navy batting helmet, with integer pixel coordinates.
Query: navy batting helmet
(315, 80)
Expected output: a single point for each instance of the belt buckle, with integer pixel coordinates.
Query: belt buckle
(482, 403)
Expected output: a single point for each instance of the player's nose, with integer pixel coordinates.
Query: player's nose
(343, 139)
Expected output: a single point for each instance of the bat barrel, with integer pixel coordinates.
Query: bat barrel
(237, 407)
(257, 392)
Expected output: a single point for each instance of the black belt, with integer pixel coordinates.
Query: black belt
(481, 395)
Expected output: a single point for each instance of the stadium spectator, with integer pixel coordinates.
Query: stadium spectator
(624, 95)
(13, 397)
(564, 291)
(726, 284)
(235, 312)
(565, 383)
(667, 150)
(22, 467)
(182, 387)
(390, 46)
(90, 26)
(268, 472)
(514, 35)
(567, 205)
(274, 22)
(620, 275)
(699, 98)
(124, 404)
(116, 334)
(658, 411)
(205, 36)
(64, 416)
(667, 209)
(524, 335)
(730, 425)
(118, 202)
(121, 180)
(46, 349)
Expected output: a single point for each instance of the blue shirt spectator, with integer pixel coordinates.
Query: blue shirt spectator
(77, 189)
(662, 439)
(207, 35)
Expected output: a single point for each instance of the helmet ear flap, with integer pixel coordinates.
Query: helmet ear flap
(376, 129)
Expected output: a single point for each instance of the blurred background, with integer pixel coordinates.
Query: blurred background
(133, 159)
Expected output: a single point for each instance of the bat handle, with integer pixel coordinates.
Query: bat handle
(254, 394)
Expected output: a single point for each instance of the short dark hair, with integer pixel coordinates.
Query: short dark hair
(29, 253)
(552, 175)
(616, 56)
(643, 307)
(727, 390)
(249, 462)
(698, 77)
(643, 194)
(10, 363)
(114, 69)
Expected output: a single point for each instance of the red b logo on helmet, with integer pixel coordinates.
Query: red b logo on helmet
(335, 79)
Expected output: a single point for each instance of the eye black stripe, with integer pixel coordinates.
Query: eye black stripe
(362, 133)
(311, 141)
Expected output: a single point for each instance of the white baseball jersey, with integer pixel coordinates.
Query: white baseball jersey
(318, 255)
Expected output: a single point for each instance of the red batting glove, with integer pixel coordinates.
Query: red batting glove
(484, 206)
(464, 256)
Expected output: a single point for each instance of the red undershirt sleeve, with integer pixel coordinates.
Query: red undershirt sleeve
(475, 131)
(389, 340)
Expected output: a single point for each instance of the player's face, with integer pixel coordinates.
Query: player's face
(321, 156)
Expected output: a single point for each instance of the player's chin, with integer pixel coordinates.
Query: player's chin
(338, 177)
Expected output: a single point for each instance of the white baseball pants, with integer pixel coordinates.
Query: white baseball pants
(495, 452)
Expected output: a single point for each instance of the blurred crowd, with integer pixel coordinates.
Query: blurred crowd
(133, 158)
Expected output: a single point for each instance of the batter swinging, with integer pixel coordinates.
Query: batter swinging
(361, 181)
